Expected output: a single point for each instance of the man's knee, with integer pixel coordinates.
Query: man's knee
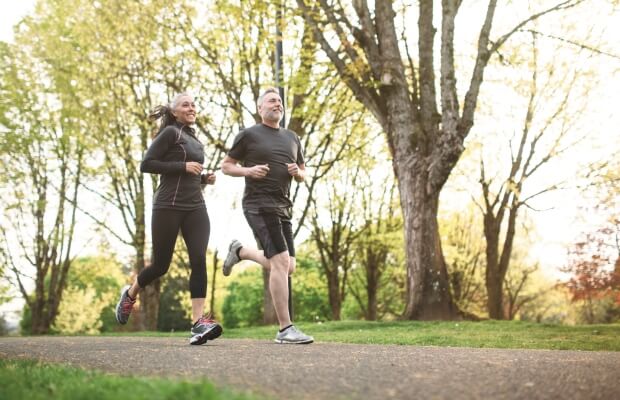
(280, 262)
(291, 265)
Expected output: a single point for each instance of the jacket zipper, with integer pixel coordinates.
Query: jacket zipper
(184, 158)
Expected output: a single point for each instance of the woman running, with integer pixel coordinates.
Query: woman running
(177, 156)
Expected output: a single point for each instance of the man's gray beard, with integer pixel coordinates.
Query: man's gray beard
(270, 118)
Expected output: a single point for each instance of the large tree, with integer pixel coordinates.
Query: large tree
(425, 127)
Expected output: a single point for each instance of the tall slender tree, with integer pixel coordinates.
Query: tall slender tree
(43, 150)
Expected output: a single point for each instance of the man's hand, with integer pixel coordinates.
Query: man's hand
(296, 171)
(257, 171)
(293, 169)
(193, 168)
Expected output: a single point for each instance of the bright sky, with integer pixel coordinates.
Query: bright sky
(12, 13)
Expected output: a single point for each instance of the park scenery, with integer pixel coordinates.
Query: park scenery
(457, 233)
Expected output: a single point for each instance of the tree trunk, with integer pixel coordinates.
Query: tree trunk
(371, 293)
(149, 298)
(334, 294)
(213, 280)
(375, 260)
(495, 291)
(428, 294)
(497, 265)
(37, 326)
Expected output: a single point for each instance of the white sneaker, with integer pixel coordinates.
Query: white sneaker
(292, 335)
(231, 258)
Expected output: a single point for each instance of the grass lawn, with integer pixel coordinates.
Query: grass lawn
(33, 380)
(484, 334)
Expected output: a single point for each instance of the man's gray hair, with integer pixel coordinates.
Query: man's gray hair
(265, 92)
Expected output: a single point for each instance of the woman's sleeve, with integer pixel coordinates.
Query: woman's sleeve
(153, 158)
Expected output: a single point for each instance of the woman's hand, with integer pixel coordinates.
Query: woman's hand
(208, 178)
(193, 168)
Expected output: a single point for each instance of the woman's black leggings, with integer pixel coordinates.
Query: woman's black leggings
(165, 226)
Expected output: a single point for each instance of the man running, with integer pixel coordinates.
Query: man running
(269, 156)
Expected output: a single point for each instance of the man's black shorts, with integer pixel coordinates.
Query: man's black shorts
(274, 233)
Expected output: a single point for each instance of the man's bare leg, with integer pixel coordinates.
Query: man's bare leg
(258, 256)
(278, 286)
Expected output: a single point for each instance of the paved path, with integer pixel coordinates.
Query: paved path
(342, 371)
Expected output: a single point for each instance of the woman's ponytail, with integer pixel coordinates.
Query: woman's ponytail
(163, 112)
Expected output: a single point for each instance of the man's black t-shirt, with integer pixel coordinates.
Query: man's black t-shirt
(261, 144)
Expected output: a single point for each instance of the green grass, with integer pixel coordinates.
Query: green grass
(485, 334)
(33, 380)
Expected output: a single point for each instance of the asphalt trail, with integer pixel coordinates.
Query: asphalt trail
(340, 371)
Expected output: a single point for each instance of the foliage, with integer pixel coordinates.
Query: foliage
(552, 304)
(89, 301)
(463, 246)
(4, 329)
(90, 297)
(33, 380)
(79, 312)
(594, 266)
(173, 310)
(309, 293)
(174, 301)
(242, 305)
(25, 324)
(594, 260)
(378, 275)
(525, 289)
(4, 292)
(42, 110)
(544, 136)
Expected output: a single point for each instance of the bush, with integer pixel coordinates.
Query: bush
(310, 301)
(243, 306)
